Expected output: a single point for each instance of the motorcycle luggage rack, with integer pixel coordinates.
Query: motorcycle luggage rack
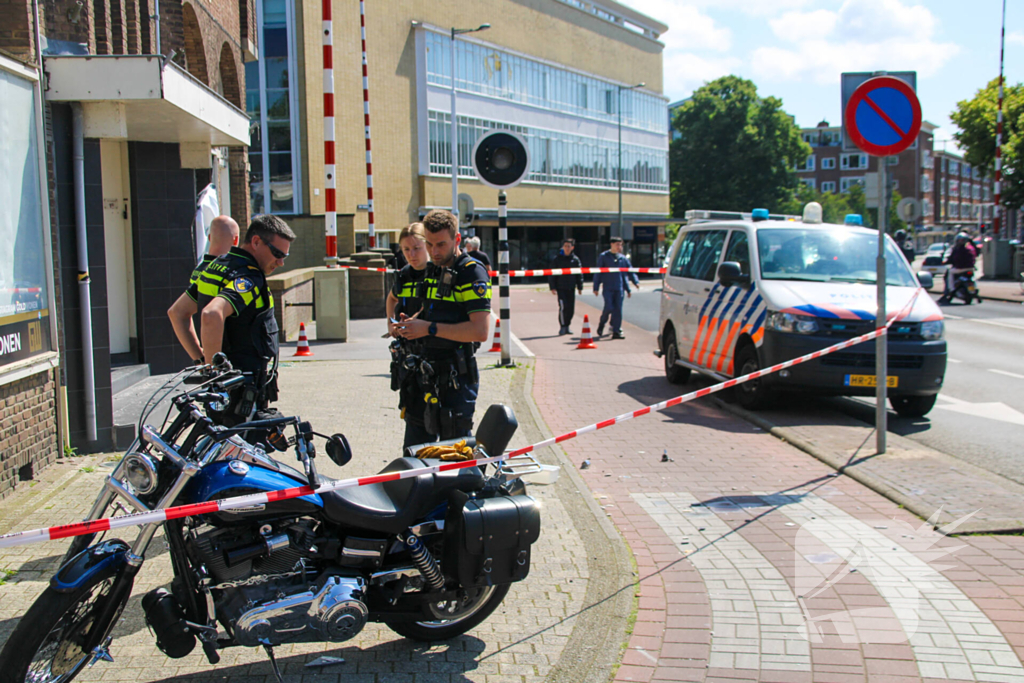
(528, 466)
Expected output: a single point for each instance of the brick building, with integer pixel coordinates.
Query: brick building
(138, 115)
(960, 196)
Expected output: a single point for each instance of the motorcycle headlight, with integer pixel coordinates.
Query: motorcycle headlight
(788, 322)
(140, 471)
(932, 330)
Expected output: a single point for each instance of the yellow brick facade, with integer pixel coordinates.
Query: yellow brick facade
(544, 29)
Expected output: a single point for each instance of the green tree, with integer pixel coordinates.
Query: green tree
(976, 119)
(737, 150)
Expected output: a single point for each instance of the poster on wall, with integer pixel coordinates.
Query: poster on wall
(24, 295)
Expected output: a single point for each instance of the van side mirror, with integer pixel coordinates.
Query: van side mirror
(729, 273)
(496, 429)
(926, 279)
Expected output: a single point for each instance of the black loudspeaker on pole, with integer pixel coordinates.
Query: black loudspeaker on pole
(501, 160)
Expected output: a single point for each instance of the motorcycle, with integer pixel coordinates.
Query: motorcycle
(430, 556)
(964, 288)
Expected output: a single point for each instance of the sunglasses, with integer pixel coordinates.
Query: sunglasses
(278, 254)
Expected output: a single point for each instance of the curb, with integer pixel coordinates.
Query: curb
(834, 461)
(600, 635)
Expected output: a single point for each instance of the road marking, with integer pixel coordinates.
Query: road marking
(987, 322)
(953, 360)
(993, 411)
(516, 340)
(756, 619)
(1004, 372)
(949, 635)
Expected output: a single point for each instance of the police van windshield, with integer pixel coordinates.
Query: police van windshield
(837, 255)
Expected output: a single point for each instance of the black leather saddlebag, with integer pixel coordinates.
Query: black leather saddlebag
(487, 541)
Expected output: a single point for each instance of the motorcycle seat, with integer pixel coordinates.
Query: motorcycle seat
(394, 506)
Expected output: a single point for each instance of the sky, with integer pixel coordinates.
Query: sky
(797, 49)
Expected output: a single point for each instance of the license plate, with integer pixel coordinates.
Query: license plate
(870, 381)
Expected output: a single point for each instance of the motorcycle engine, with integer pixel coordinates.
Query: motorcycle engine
(265, 591)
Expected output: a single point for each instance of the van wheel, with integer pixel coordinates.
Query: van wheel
(912, 406)
(751, 395)
(676, 374)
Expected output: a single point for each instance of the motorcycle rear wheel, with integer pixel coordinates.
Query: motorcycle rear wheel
(480, 604)
(46, 645)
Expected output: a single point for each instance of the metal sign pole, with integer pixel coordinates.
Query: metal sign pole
(881, 344)
(504, 301)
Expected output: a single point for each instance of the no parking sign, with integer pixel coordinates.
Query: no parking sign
(883, 116)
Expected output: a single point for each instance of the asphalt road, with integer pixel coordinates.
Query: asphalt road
(979, 416)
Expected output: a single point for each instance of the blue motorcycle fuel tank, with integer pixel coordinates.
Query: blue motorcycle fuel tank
(226, 479)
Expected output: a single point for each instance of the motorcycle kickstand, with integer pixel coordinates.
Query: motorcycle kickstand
(273, 662)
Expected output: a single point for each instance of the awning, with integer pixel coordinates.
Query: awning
(144, 98)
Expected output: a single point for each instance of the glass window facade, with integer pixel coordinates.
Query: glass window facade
(556, 158)
(488, 71)
(273, 115)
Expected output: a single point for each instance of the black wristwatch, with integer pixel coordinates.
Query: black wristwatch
(432, 330)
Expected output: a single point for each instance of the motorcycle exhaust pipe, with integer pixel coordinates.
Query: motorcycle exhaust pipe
(268, 546)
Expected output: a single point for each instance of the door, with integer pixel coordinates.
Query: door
(118, 245)
(703, 300)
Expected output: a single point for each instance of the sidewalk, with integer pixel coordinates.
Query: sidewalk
(566, 622)
(757, 561)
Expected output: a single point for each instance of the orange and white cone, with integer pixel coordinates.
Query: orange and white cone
(303, 348)
(496, 347)
(586, 341)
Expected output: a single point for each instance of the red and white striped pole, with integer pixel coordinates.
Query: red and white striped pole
(997, 222)
(330, 207)
(366, 123)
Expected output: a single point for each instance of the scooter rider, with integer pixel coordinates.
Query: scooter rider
(238, 312)
(961, 260)
(444, 337)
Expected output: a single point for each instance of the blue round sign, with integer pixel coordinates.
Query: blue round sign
(883, 116)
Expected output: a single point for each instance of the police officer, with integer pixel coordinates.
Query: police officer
(238, 312)
(444, 337)
(906, 245)
(223, 236)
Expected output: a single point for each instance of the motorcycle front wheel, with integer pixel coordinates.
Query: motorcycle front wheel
(454, 617)
(47, 645)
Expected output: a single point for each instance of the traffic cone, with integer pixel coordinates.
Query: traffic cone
(586, 341)
(496, 347)
(303, 348)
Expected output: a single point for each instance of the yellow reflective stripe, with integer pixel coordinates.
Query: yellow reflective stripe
(208, 288)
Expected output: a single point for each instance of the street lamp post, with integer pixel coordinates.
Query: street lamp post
(618, 228)
(455, 125)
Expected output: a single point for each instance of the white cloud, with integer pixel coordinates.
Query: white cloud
(688, 27)
(863, 35)
(686, 71)
(1015, 37)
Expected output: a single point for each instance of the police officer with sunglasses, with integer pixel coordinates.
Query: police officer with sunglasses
(238, 313)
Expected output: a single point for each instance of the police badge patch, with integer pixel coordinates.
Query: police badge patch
(481, 288)
(242, 285)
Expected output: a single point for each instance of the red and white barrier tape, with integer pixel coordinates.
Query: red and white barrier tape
(158, 516)
(537, 273)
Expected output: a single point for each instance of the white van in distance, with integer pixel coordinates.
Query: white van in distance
(743, 292)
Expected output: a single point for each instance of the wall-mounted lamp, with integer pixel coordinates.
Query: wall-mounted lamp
(75, 12)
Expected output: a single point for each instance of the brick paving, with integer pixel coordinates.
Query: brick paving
(757, 561)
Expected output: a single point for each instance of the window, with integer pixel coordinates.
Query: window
(685, 253)
(739, 250)
(489, 71)
(892, 160)
(942, 187)
(810, 138)
(987, 193)
(846, 183)
(828, 186)
(926, 159)
(926, 183)
(828, 163)
(954, 167)
(556, 158)
(926, 208)
(853, 161)
(954, 188)
(967, 170)
(976, 191)
(809, 182)
(976, 173)
(707, 249)
(273, 111)
(945, 164)
(24, 277)
(808, 164)
(954, 209)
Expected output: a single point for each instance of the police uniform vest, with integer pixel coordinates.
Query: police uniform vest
(250, 335)
(408, 289)
(193, 280)
(451, 294)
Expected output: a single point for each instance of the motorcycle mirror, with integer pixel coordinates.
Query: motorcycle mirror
(221, 361)
(338, 450)
(496, 429)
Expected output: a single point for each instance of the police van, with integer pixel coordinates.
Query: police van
(747, 291)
